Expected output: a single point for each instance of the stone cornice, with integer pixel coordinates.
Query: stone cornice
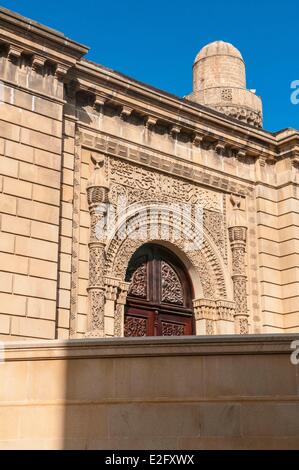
(24, 36)
(166, 163)
(21, 36)
(110, 87)
(150, 347)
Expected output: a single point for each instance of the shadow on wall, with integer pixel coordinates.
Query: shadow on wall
(183, 393)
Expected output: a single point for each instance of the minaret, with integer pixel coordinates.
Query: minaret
(219, 82)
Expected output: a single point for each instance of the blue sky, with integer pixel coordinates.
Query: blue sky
(156, 41)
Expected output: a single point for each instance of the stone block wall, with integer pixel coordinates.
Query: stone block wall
(30, 130)
(159, 393)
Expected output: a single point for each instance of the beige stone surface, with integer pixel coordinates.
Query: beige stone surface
(160, 393)
(156, 147)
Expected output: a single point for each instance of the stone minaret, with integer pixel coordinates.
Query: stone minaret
(219, 82)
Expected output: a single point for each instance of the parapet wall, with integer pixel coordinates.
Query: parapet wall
(216, 392)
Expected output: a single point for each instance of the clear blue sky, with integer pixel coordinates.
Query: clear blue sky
(155, 41)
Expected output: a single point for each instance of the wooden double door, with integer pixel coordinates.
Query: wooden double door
(159, 301)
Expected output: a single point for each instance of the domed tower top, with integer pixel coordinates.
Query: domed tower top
(219, 81)
(218, 48)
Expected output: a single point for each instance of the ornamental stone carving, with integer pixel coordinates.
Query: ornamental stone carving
(153, 212)
(119, 295)
(138, 286)
(135, 326)
(196, 246)
(139, 184)
(97, 196)
(171, 287)
(209, 312)
(172, 329)
(237, 237)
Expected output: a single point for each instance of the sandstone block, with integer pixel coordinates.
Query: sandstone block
(18, 188)
(33, 328)
(41, 308)
(13, 304)
(14, 263)
(43, 269)
(4, 324)
(5, 282)
(39, 249)
(25, 285)
(38, 211)
(14, 224)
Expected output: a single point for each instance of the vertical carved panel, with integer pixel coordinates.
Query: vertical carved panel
(97, 300)
(171, 286)
(210, 327)
(75, 237)
(237, 237)
(118, 319)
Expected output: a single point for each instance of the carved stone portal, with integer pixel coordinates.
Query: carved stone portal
(153, 213)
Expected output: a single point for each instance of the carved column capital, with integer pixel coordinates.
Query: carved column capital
(237, 235)
(205, 312)
(123, 292)
(213, 310)
(111, 286)
(204, 309)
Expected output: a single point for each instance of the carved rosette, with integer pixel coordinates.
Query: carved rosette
(237, 238)
(97, 197)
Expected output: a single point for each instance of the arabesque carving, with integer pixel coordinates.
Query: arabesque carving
(97, 196)
(201, 255)
(171, 289)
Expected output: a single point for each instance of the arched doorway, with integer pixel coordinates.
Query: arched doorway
(159, 301)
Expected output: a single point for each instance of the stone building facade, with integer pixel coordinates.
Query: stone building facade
(126, 210)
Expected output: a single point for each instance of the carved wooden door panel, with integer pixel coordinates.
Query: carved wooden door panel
(159, 301)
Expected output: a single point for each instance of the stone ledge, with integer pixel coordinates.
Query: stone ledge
(150, 347)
